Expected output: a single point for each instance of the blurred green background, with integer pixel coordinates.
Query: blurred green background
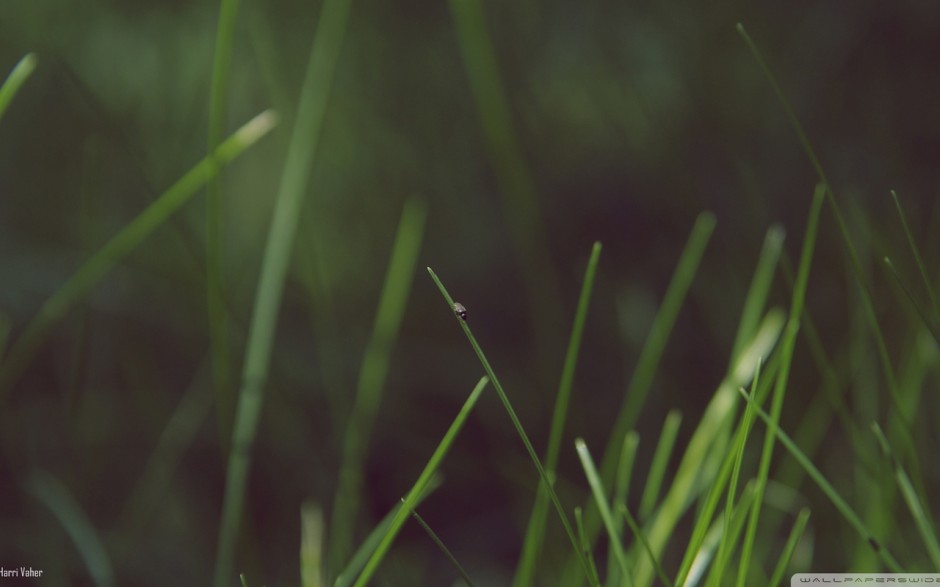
(631, 119)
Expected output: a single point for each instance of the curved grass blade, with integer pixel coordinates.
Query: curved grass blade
(372, 375)
(535, 531)
(18, 76)
(546, 480)
(55, 496)
(411, 499)
(125, 241)
(844, 508)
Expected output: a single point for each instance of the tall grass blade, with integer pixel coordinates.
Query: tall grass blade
(55, 496)
(844, 508)
(125, 241)
(18, 76)
(534, 535)
(929, 322)
(518, 426)
(786, 356)
(756, 299)
(600, 498)
(915, 251)
(305, 136)
(411, 499)
(440, 544)
(654, 479)
(795, 534)
(621, 488)
(585, 545)
(641, 538)
(215, 303)
(311, 545)
(372, 375)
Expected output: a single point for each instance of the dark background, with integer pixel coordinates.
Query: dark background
(633, 117)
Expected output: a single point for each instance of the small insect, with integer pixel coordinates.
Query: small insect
(460, 311)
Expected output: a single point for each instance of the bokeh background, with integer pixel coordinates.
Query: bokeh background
(631, 117)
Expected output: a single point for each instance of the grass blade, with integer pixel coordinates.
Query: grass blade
(795, 534)
(641, 537)
(600, 498)
(518, 425)
(756, 298)
(440, 544)
(55, 496)
(411, 499)
(654, 479)
(125, 241)
(844, 508)
(311, 545)
(531, 548)
(331, 29)
(372, 374)
(215, 304)
(621, 488)
(915, 251)
(786, 356)
(18, 76)
(585, 545)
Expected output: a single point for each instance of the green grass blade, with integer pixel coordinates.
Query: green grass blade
(585, 545)
(55, 496)
(518, 426)
(440, 544)
(844, 508)
(411, 499)
(915, 251)
(795, 534)
(215, 304)
(641, 537)
(929, 322)
(368, 546)
(125, 241)
(311, 545)
(600, 498)
(654, 479)
(786, 356)
(18, 76)
(621, 488)
(756, 298)
(372, 374)
(724, 528)
(911, 498)
(331, 29)
(534, 535)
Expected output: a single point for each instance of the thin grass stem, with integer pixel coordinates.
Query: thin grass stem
(18, 76)
(440, 544)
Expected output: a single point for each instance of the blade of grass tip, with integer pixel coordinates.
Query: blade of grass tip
(305, 136)
(929, 322)
(621, 488)
(786, 356)
(243, 579)
(867, 302)
(125, 241)
(844, 508)
(372, 375)
(641, 538)
(915, 251)
(531, 548)
(585, 544)
(756, 299)
(654, 479)
(311, 545)
(689, 478)
(518, 426)
(55, 496)
(600, 498)
(368, 546)
(795, 534)
(914, 504)
(440, 544)
(218, 324)
(18, 76)
(411, 499)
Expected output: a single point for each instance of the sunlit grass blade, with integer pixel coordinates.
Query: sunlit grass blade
(215, 304)
(795, 534)
(654, 479)
(55, 496)
(305, 136)
(440, 544)
(837, 500)
(411, 499)
(311, 545)
(546, 481)
(641, 538)
(532, 545)
(372, 374)
(125, 241)
(787, 346)
(600, 499)
(724, 528)
(911, 498)
(18, 76)
(915, 251)
(359, 559)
